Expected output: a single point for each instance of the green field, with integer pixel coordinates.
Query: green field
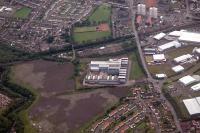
(101, 14)
(87, 34)
(162, 68)
(90, 36)
(85, 29)
(136, 71)
(180, 51)
(22, 12)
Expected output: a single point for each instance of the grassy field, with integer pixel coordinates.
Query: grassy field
(180, 51)
(90, 36)
(102, 13)
(162, 68)
(88, 33)
(136, 70)
(143, 127)
(22, 12)
(28, 128)
(85, 29)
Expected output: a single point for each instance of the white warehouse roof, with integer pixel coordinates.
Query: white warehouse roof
(190, 37)
(192, 105)
(186, 36)
(178, 68)
(182, 58)
(159, 57)
(197, 50)
(187, 80)
(169, 45)
(112, 64)
(159, 36)
(161, 75)
(175, 33)
(196, 87)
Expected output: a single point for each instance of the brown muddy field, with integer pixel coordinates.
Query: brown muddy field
(56, 110)
(46, 76)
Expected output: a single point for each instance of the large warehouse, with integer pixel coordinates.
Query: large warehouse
(159, 36)
(112, 66)
(159, 57)
(169, 45)
(108, 66)
(178, 69)
(186, 36)
(196, 87)
(187, 80)
(113, 71)
(183, 58)
(190, 37)
(192, 105)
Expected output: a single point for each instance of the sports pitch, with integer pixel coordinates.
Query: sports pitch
(101, 30)
(101, 14)
(22, 12)
(90, 36)
(85, 29)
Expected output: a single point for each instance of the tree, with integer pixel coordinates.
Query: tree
(50, 39)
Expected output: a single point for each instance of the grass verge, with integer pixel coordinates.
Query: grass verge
(136, 70)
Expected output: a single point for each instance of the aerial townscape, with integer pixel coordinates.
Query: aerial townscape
(99, 66)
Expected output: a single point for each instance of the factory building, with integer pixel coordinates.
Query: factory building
(2, 9)
(169, 45)
(159, 36)
(161, 76)
(186, 36)
(159, 58)
(197, 50)
(111, 66)
(196, 87)
(187, 80)
(178, 69)
(113, 71)
(149, 51)
(183, 58)
(192, 105)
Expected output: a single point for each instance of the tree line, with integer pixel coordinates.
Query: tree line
(22, 100)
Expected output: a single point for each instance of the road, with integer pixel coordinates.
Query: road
(156, 84)
(137, 39)
(187, 7)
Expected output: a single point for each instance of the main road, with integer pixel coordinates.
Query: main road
(157, 84)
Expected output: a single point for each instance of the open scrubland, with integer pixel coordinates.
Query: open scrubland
(59, 108)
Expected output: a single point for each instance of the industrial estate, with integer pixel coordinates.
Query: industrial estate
(99, 66)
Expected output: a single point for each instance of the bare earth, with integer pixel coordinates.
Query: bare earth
(55, 110)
